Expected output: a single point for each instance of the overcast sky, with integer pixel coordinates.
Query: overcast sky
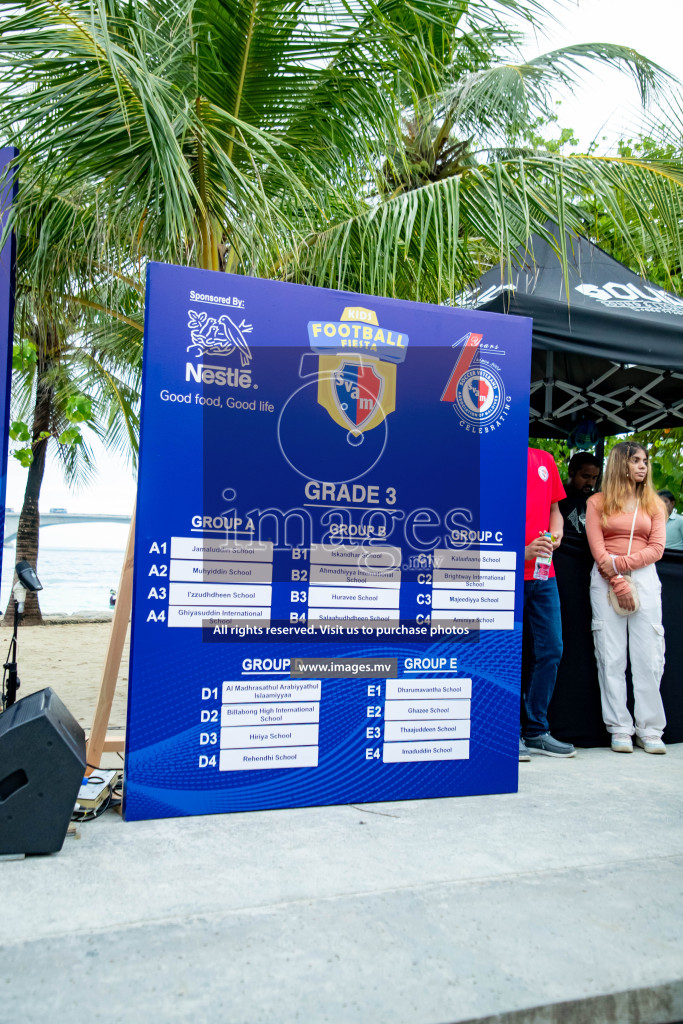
(607, 104)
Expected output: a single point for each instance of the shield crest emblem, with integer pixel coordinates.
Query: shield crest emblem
(479, 392)
(357, 392)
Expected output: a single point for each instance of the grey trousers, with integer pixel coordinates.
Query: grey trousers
(643, 634)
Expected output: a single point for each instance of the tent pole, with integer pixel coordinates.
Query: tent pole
(549, 368)
(600, 450)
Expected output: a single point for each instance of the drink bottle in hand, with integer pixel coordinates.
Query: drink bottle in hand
(543, 563)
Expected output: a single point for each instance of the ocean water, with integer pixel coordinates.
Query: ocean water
(74, 580)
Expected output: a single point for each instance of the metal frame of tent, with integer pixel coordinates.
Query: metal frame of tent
(607, 345)
(606, 399)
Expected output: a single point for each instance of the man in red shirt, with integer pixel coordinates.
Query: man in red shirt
(542, 645)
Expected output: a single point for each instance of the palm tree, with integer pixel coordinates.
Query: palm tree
(65, 372)
(269, 136)
(656, 139)
(197, 116)
(463, 187)
(371, 146)
(349, 143)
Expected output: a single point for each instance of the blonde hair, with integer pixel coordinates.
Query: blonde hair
(616, 483)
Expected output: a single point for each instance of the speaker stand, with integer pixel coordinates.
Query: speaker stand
(11, 677)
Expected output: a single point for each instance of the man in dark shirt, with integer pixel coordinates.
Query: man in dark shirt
(583, 472)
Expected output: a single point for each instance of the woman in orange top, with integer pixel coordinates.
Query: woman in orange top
(627, 492)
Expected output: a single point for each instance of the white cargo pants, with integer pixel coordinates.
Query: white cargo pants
(644, 634)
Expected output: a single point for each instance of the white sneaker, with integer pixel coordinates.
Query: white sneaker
(621, 743)
(651, 744)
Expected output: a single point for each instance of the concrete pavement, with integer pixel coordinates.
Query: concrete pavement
(425, 912)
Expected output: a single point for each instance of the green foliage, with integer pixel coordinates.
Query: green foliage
(71, 435)
(24, 356)
(664, 150)
(394, 149)
(534, 135)
(24, 456)
(559, 450)
(78, 409)
(19, 431)
(384, 148)
(664, 447)
(67, 369)
(659, 263)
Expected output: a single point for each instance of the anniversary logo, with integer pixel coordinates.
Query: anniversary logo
(475, 387)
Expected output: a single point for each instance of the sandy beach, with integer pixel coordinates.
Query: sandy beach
(69, 657)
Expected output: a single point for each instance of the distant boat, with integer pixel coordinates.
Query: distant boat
(58, 511)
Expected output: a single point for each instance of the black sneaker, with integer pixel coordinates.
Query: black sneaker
(547, 744)
(523, 752)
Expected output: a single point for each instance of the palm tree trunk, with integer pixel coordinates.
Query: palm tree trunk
(209, 258)
(28, 531)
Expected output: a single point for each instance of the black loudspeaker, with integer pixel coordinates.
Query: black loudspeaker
(42, 763)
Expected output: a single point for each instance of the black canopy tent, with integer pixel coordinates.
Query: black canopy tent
(613, 355)
(607, 350)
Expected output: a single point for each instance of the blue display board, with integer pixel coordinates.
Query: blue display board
(8, 191)
(329, 548)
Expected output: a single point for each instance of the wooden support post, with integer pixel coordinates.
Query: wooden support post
(98, 740)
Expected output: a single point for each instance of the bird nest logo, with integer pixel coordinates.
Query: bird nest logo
(220, 336)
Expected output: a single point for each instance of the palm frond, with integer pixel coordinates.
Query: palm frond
(431, 243)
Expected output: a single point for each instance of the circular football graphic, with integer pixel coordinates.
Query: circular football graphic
(312, 443)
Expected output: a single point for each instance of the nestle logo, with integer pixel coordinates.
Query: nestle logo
(230, 377)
